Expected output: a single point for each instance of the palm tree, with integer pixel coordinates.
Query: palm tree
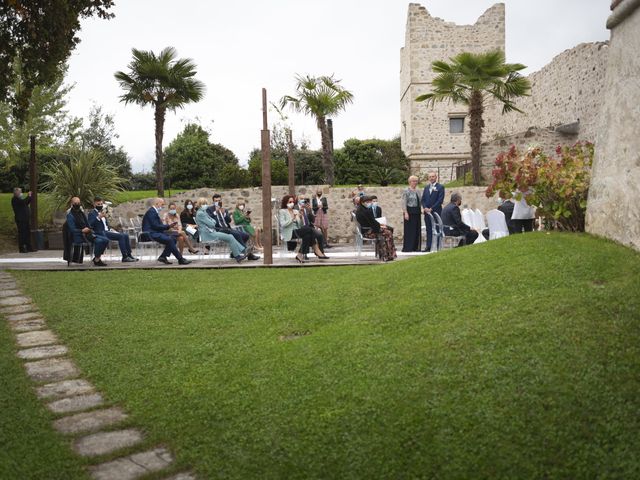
(473, 79)
(166, 83)
(320, 97)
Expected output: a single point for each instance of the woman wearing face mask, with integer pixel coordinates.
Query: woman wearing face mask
(182, 238)
(372, 229)
(295, 224)
(242, 218)
(320, 206)
(188, 220)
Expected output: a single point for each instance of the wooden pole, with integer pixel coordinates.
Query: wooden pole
(292, 168)
(266, 184)
(33, 186)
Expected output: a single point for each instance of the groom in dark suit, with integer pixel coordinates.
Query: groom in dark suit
(432, 198)
(155, 229)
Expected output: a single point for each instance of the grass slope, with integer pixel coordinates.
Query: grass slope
(517, 358)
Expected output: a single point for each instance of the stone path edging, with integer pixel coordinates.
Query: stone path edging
(83, 415)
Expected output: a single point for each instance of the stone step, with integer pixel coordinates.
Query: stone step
(65, 388)
(89, 421)
(133, 466)
(9, 310)
(51, 370)
(76, 404)
(28, 325)
(38, 353)
(23, 316)
(7, 291)
(35, 339)
(102, 443)
(12, 301)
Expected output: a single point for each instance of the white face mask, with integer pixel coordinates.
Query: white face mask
(375, 204)
(241, 207)
(172, 212)
(290, 205)
(189, 207)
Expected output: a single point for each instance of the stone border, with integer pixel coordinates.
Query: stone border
(82, 413)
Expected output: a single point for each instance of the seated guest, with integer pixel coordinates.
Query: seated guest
(304, 206)
(223, 224)
(100, 226)
(294, 224)
(453, 224)
(78, 225)
(375, 209)
(208, 233)
(188, 220)
(153, 227)
(506, 207)
(242, 218)
(182, 239)
(370, 228)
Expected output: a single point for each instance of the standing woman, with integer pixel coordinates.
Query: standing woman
(320, 206)
(411, 211)
(242, 218)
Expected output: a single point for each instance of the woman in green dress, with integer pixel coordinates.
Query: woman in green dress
(242, 218)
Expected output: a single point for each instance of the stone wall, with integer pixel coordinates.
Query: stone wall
(614, 196)
(425, 133)
(340, 204)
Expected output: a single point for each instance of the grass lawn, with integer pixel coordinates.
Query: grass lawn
(516, 358)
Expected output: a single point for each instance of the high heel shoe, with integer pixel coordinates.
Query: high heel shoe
(193, 251)
(299, 258)
(319, 253)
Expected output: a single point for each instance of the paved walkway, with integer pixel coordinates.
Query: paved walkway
(79, 409)
(52, 260)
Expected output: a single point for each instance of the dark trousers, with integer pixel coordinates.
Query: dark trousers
(24, 236)
(412, 231)
(469, 237)
(123, 242)
(522, 225)
(307, 234)
(240, 236)
(100, 244)
(169, 242)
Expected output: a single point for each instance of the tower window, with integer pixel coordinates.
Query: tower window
(456, 125)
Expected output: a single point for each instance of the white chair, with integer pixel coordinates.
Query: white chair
(436, 232)
(446, 241)
(284, 247)
(497, 224)
(467, 216)
(360, 239)
(478, 224)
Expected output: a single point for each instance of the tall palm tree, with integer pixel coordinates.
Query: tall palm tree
(320, 97)
(473, 79)
(165, 82)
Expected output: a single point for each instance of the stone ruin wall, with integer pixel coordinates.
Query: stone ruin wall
(341, 229)
(425, 130)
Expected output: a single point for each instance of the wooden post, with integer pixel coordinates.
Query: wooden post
(266, 184)
(292, 168)
(33, 183)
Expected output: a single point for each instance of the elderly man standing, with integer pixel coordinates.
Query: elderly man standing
(453, 224)
(21, 213)
(432, 198)
(155, 229)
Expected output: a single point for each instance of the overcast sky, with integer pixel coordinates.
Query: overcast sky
(241, 46)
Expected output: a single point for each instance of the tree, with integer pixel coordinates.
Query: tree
(166, 83)
(371, 161)
(320, 97)
(193, 161)
(39, 35)
(85, 174)
(100, 135)
(474, 79)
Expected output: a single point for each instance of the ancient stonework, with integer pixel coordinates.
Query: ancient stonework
(612, 209)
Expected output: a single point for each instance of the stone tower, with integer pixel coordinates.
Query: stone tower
(435, 138)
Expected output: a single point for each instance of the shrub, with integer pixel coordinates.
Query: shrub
(557, 185)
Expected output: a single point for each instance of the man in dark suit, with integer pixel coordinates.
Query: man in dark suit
(432, 198)
(155, 229)
(453, 224)
(100, 226)
(223, 224)
(22, 217)
(375, 208)
(506, 207)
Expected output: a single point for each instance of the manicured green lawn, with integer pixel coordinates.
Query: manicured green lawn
(517, 358)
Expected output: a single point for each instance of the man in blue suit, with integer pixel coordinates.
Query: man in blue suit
(100, 226)
(432, 198)
(155, 229)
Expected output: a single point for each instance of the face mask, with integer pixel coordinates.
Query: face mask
(99, 208)
(301, 203)
(375, 204)
(241, 207)
(76, 206)
(216, 204)
(319, 195)
(367, 205)
(189, 207)
(160, 209)
(290, 205)
(172, 212)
